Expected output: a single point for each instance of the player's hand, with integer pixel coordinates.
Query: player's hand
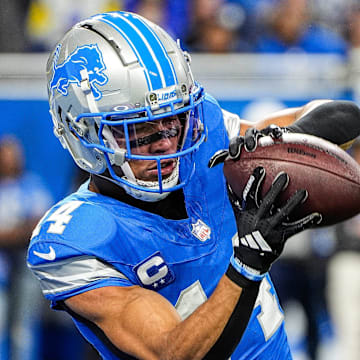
(248, 142)
(262, 227)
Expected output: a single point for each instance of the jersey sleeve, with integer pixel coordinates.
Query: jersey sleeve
(336, 121)
(232, 123)
(67, 276)
(65, 252)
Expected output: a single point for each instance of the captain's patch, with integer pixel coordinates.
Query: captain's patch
(153, 272)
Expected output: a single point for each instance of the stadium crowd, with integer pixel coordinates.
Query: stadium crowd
(203, 25)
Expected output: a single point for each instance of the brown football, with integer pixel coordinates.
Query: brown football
(329, 174)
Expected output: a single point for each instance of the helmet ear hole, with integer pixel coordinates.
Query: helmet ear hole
(71, 129)
(59, 111)
(67, 122)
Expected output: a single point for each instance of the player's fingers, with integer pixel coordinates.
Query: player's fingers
(235, 146)
(217, 158)
(234, 200)
(251, 192)
(279, 184)
(304, 223)
(274, 131)
(250, 139)
(295, 200)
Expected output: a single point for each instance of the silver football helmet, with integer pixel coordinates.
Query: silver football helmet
(124, 103)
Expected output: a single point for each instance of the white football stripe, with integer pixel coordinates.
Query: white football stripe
(261, 241)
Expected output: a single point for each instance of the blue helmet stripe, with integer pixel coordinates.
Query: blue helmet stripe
(147, 66)
(166, 63)
(143, 49)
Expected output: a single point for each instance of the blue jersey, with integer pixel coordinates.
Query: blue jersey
(89, 241)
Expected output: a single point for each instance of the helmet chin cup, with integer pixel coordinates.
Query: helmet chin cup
(102, 76)
(146, 195)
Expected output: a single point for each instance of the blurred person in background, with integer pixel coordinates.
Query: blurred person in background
(154, 10)
(332, 13)
(344, 284)
(352, 28)
(213, 37)
(29, 25)
(23, 200)
(43, 27)
(287, 26)
(13, 37)
(352, 35)
(43, 30)
(172, 16)
(215, 26)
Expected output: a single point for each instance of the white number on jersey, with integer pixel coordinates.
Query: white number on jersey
(271, 316)
(190, 299)
(60, 217)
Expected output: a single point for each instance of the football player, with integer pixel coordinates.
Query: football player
(149, 256)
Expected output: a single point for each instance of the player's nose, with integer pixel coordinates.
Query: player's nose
(162, 146)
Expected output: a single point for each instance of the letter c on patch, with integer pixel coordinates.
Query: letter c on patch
(152, 270)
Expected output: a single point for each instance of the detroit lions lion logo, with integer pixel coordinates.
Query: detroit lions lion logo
(86, 57)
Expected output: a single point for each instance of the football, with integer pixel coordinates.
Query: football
(329, 174)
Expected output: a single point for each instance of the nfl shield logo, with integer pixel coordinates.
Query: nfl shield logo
(201, 230)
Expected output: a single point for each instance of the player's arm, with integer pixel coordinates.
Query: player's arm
(283, 117)
(145, 325)
(334, 120)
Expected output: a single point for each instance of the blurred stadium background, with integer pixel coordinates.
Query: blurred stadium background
(251, 60)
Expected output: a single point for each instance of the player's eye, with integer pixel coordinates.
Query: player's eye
(143, 129)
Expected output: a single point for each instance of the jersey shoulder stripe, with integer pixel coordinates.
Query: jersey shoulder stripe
(63, 276)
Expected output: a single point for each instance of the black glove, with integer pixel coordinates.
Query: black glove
(263, 228)
(248, 141)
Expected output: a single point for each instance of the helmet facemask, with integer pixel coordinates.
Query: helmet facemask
(143, 150)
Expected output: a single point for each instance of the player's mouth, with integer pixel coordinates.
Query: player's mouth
(167, 167)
